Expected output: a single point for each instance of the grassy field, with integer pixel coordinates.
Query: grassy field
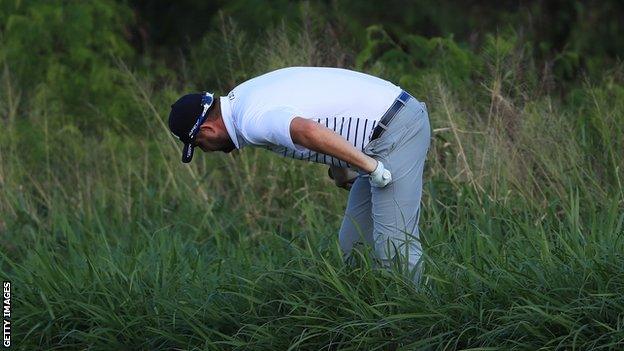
(110, 243)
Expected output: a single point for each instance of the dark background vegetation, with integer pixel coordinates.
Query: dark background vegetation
(571, 37)
(73, 45)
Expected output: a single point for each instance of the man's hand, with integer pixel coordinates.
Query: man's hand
(380, 177)
(343, 177)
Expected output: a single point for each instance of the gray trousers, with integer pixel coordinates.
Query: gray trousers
(387, 218)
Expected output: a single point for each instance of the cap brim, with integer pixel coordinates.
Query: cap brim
(187, 153)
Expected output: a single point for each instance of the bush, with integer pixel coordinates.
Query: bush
(64, 59)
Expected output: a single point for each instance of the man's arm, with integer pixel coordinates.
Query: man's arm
(319, 138)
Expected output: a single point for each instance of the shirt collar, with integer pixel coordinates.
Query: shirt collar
(228, 120)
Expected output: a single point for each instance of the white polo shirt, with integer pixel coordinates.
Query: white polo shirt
(258, 112)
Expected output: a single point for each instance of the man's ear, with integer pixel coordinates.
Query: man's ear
(208, 127)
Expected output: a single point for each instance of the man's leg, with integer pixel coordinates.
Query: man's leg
(357, 224)
(396, 207)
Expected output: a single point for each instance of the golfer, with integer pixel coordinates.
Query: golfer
(372, 134)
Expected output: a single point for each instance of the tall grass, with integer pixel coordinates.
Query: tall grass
(111, 243)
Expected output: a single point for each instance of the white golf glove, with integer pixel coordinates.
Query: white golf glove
(380, 177)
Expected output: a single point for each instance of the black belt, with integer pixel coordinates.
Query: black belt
(389, 115)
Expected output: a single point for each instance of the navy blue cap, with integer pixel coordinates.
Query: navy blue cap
(187, 114)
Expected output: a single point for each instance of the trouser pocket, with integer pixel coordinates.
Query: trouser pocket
(383, 145)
